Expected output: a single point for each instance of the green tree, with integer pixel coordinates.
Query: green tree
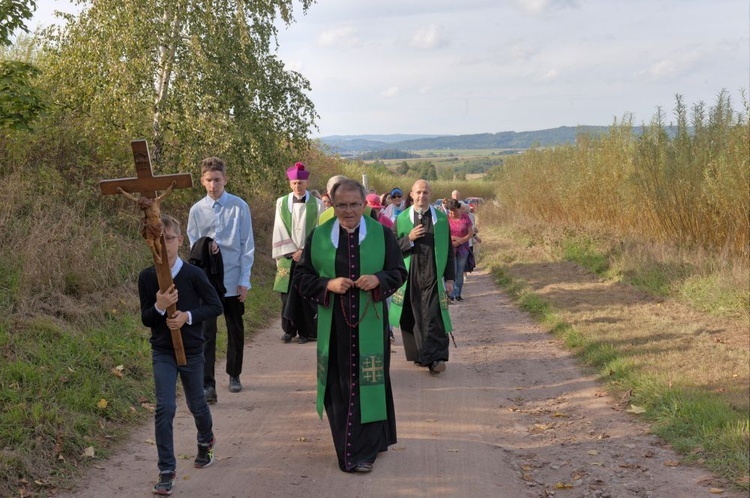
(20, 101)
(402, 168)
(195, 77)
(426, 170)
(13, 16)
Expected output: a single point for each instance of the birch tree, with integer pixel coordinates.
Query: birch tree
(194, 77)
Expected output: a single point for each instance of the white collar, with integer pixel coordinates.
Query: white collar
(177, 267)
(433, 214)
(335, 231)
(291, 196)
(222, 200)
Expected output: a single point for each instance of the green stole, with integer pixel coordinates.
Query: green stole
(404, 225)
(371, 355)
(283, 264)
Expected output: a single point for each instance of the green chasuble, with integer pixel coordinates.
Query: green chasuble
(404, 225)
(284, 265)
(371, 364)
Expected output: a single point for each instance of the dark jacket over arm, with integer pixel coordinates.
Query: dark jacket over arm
(196, 295)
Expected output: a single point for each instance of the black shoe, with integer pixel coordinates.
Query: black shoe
(234, 385)
(437, 366)
(302, 340)
(165, 483)
(205, 456)
(210, 394)
(459, 298)
(286, 338)
(363, 467)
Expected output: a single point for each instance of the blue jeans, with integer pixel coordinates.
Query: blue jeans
(460, 266)
(165, 383)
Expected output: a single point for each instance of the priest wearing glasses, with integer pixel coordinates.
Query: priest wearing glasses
(349, 266)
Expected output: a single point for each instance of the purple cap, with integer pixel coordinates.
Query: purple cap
(297, 172)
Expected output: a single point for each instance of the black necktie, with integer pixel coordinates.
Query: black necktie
(296, 199)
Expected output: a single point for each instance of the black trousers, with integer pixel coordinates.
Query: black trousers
(286, 324)
(233, 311)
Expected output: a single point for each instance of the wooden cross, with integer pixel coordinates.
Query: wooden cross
(146, 184)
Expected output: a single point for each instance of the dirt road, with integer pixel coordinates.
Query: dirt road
(513, 416)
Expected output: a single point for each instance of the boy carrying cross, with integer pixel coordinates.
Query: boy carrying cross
(196, 301)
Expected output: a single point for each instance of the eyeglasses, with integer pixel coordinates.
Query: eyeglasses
(395, 196)
(347, 207)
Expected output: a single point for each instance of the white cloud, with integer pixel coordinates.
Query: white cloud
(550, 75)
(429, 37)
(294, 65)
(337, 37)
(520, 49)
(662, 69)
(488, 65)
(673, 66)
(390, 92)
(542, 7)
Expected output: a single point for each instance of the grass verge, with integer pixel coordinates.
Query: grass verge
(67, 395)
(691, 382)
(70, 395)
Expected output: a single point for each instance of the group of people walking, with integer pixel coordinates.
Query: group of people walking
(347, 275)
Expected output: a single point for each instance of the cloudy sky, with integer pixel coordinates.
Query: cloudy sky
(486, 66)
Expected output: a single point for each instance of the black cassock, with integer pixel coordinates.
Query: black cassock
(354, 441)
(298, 314)
(422, 328)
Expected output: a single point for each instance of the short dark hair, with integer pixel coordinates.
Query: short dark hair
(348, 185)
(452, 204)
(213, 164)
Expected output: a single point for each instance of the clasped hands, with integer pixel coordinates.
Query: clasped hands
(166, 299)
(457, 241)
(341, 285)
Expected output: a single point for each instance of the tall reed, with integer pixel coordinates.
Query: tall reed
(689, 189)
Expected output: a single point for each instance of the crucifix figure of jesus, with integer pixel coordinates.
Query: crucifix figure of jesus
(146, 184)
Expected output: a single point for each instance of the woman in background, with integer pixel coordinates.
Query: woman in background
(461, 232)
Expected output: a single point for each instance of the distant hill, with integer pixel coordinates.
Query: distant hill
(350, 145)
(355, 145)
(390, 139)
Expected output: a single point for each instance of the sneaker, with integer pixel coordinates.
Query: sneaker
(165, 484)
(459, 298)
(205, 456)
(391, 336)
(210, 394)
(234, 385)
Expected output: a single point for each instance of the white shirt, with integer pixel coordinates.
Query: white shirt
(227, 221)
